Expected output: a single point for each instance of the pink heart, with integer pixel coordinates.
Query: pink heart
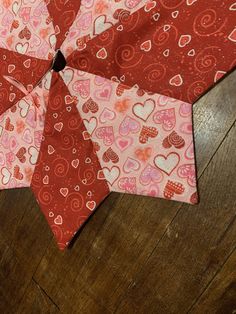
(131, 165)
(104, 93)
(2, 159)
(64, 191)
(106, 134)
(30, 120)
(36, 21)
(13, 143)
(27, 138)
(10, 157)
(58, 220)
(166, 117)
(129, 125)
(128, 184)
(107, 114)
(188, 171)
(82, 87)
(5, 140)
(185, 109)
(123, 142)
(150, 174)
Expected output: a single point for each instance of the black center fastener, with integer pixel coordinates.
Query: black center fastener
(59, 61)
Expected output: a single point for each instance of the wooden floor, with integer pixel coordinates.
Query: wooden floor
(136, 254)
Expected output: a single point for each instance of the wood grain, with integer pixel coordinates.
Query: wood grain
(24, 238)
(36, 301)
(220, 296)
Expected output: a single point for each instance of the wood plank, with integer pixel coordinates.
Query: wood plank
(134, 225)
(36, 301)
(220, 296)
(213, 114)
(196, 245)
(25, 237)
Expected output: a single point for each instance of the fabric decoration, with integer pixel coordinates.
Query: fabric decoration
(96, 96)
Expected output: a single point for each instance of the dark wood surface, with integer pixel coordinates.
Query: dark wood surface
(136, 254)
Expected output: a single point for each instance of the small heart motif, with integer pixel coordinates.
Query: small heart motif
(219, 75)
(184, 40)
(101, 25)
(75, 163)
(146, 133)
(90, 124)
(232, 36)
(27, 138)
(22, 48)
(173, 188)
(111, 174)
(58, 126)
(149, 5)
(166, 117)
(173, 139)
(166, 53)
(167, 163)
(24, 108)
(27, 63)
(131, 165)
(129, 125)
(6, 175)
(123, 142)
(46, 179)
(64, 191)
(90, 106)
(100, 175)
(91, 205)
(188, 171)
(144, 110)
(58, 220)
(106, 133)
(101, 54)
(233, 7)
(70, 99)
(51, 149)
(11, 68)
(110, 155)
(176, 80)
(33, 152)
(175, 14)
(190, 2)
(191, 53)
(156, 17)
(166, 28)
(150, 174)
(146, 45)
(107, 114)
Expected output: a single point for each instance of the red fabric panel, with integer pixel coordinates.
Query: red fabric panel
(23, 72)
(63, 14)
(67, 181)
(175, 48)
